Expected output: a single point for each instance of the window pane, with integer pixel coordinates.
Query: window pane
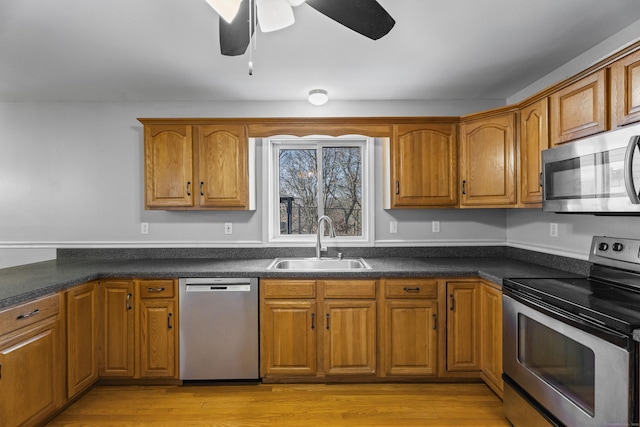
(298, 191)
(342, 188)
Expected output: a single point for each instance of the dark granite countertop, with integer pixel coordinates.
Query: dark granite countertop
(26, 282)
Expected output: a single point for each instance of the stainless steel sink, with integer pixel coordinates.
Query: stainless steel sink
(319, 264)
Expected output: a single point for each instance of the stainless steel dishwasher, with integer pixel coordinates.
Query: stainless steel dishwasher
(219, 329)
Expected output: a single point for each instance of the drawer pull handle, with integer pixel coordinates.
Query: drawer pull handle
(416, 289)
(313, 321)
(152, 290)
(169, 325)
(27, 315)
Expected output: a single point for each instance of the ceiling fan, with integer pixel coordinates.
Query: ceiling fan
(238, 20)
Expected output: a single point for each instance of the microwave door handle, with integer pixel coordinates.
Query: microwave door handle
(628, 169)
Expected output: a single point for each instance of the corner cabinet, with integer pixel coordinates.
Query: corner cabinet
(488, 161)
(463, 326)
(421, 166)
(197, 166)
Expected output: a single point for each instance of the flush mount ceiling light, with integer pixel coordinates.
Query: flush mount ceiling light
(318, 96)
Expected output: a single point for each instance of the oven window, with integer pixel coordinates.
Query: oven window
(561, 362)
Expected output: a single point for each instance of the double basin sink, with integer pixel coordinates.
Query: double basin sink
(319, 264)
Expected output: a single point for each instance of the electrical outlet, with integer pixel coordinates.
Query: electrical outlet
(228, 228)
(393, 227)
(435, 226)
(553, 229)
(144, 228)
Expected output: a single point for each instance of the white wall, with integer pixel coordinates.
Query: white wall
(71, 174)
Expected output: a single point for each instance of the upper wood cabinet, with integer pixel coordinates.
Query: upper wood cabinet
(534, 138)
(625, 90)
(197, 167)
(422, 166)
(580, 109)
(487, 161)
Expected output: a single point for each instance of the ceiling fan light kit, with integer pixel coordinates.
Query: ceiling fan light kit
(274, 15)
(318, 97)
(227, 9)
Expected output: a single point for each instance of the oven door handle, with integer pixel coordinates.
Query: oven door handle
(628, 169)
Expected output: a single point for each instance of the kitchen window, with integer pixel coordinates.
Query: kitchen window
(313, 176)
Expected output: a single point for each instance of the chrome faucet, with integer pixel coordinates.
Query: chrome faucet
(332, 233)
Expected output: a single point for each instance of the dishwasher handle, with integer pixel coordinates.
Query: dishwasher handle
(202, 287)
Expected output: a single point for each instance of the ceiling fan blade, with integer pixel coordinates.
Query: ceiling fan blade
(234, 36)
(366, 17)
(274, 15)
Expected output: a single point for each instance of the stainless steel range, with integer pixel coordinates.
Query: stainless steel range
(569, 354)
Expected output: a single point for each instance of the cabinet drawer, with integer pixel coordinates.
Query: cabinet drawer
(349, 288)
(289, 288)
(157, 289)
(407, 288)
(28, 313)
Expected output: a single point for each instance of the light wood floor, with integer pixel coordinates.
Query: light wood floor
(288, 405)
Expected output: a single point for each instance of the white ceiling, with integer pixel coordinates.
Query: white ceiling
(167, 50)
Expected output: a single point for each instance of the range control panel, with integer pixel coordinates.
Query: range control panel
(616, 251)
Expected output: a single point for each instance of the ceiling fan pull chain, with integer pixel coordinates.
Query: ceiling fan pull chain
(251, 6)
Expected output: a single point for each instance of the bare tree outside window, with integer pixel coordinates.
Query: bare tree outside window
(338, 186)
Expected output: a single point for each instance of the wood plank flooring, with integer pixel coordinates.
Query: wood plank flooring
(297, 405)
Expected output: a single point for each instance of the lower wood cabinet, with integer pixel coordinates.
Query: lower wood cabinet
(491, 337)
(318, 328)
(463, 326)
(82, 337)
(31, 362)
(138, 334)
(409, 327)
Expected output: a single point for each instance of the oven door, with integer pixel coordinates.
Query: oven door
(578, 377)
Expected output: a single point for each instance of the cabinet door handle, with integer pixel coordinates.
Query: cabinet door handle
(540, 181)
(27, 315)
(464, 187)
(435, 322)
(397, 187)
(129, 302)
(155, 290)
(169, 325)
(327, 321)
(201, 188)
(416, 289)
(313, 320)
(188, 188)
(453, 303)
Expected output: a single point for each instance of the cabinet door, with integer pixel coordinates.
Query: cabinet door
(31, 367)
(424, 166)
(534, 138)
(491, 337)
(117, 328)
(82, 338)
(168, 166)
(625, 90)
(350, 337)
(580, 109)
(222, 166)
(410, 331)
(463, 349)
(288, 337)
(157, 338)
(487, 162)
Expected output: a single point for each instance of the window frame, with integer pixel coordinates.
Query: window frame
(271, 147)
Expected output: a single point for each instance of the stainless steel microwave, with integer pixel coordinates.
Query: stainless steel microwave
(599, 174)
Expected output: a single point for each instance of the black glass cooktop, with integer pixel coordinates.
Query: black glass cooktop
(615, 307)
